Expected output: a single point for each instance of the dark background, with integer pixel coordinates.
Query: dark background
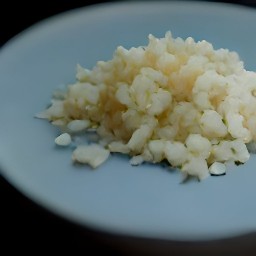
(17, 15)
(26, 227)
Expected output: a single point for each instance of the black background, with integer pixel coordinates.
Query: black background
(17, 15)
(27, 227)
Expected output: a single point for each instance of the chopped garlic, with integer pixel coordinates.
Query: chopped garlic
(176, 100)
(94, 155)
(78, 125)
(217, 168)
(137, 160)
(63, 140)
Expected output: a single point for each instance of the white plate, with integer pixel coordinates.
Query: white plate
(145, 201)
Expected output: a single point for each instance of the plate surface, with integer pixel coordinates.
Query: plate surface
(145, 201)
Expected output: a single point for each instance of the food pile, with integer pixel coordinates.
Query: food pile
(176, 100)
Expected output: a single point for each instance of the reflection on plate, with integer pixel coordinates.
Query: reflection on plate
(145, 201)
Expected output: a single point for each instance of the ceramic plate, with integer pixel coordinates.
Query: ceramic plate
(144, 201)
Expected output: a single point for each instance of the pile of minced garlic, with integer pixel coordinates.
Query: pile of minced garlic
(176, 100)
